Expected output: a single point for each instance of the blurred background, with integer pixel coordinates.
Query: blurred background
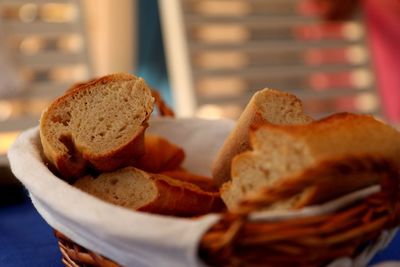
(206, 57)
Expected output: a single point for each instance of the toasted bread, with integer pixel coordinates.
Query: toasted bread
(99, 124)
(138, 190)
(266, 106)
(282, 155)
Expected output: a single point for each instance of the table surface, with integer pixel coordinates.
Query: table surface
(26, 239)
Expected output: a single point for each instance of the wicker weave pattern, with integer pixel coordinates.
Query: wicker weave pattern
(74, 255)
(163, 109)
(311, 241)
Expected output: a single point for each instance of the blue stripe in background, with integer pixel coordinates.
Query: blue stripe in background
(151, 57)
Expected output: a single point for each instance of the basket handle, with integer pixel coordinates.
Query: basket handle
(163, 109)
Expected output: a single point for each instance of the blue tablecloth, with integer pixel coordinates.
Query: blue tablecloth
(26, 239)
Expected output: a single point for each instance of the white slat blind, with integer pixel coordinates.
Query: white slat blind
(235, 47)
(47, 40)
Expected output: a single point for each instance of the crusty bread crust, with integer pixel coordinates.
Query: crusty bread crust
(324, 181)
(266, 106)
(101, 80)
(160, 155)
(155, 193)
(338, 133)
(72, 160)
(182, 199)
(205, 183)
(310, 157)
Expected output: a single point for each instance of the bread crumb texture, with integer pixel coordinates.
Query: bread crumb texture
(281, 151)
(129, 187)
(95, 119)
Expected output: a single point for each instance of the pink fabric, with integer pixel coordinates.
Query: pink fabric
(383, 25)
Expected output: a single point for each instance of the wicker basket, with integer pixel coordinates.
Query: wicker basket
(236, 240)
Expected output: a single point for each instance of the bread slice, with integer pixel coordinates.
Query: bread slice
(266, 106)
(284, 156)
(160, 155)
(99, 124)
(327, 180)
(205, 183)
(135, 189)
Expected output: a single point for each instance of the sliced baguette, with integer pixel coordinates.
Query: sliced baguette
(327, 180)
(205, 183)
(99, 124)
(160, 155)
(284, 156)
(138, 190)
(266, 106)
